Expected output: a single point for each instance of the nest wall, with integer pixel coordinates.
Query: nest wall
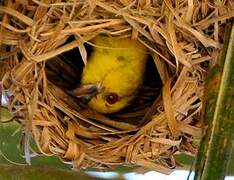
(182, 36)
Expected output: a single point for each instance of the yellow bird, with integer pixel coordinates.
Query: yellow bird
(113, 73)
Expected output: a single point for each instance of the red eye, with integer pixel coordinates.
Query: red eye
(112, 98)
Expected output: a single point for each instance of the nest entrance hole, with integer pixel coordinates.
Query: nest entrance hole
(65, 72)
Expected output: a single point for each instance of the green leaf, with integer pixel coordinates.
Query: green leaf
(38, 173)
(10, 150)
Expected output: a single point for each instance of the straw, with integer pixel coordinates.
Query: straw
(181, 36)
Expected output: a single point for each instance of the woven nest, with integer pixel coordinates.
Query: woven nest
(182, 37)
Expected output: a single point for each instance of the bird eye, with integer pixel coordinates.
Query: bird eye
(112, 98)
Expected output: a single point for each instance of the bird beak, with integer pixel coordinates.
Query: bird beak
(85, 92)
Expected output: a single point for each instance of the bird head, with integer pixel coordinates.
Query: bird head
(108, 102)
(113, 73)
(107, 96)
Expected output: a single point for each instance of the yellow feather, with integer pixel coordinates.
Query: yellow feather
(118, 65)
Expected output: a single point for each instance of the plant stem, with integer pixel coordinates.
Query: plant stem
(216, 145)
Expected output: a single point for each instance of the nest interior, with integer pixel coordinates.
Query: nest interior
(182, 36)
